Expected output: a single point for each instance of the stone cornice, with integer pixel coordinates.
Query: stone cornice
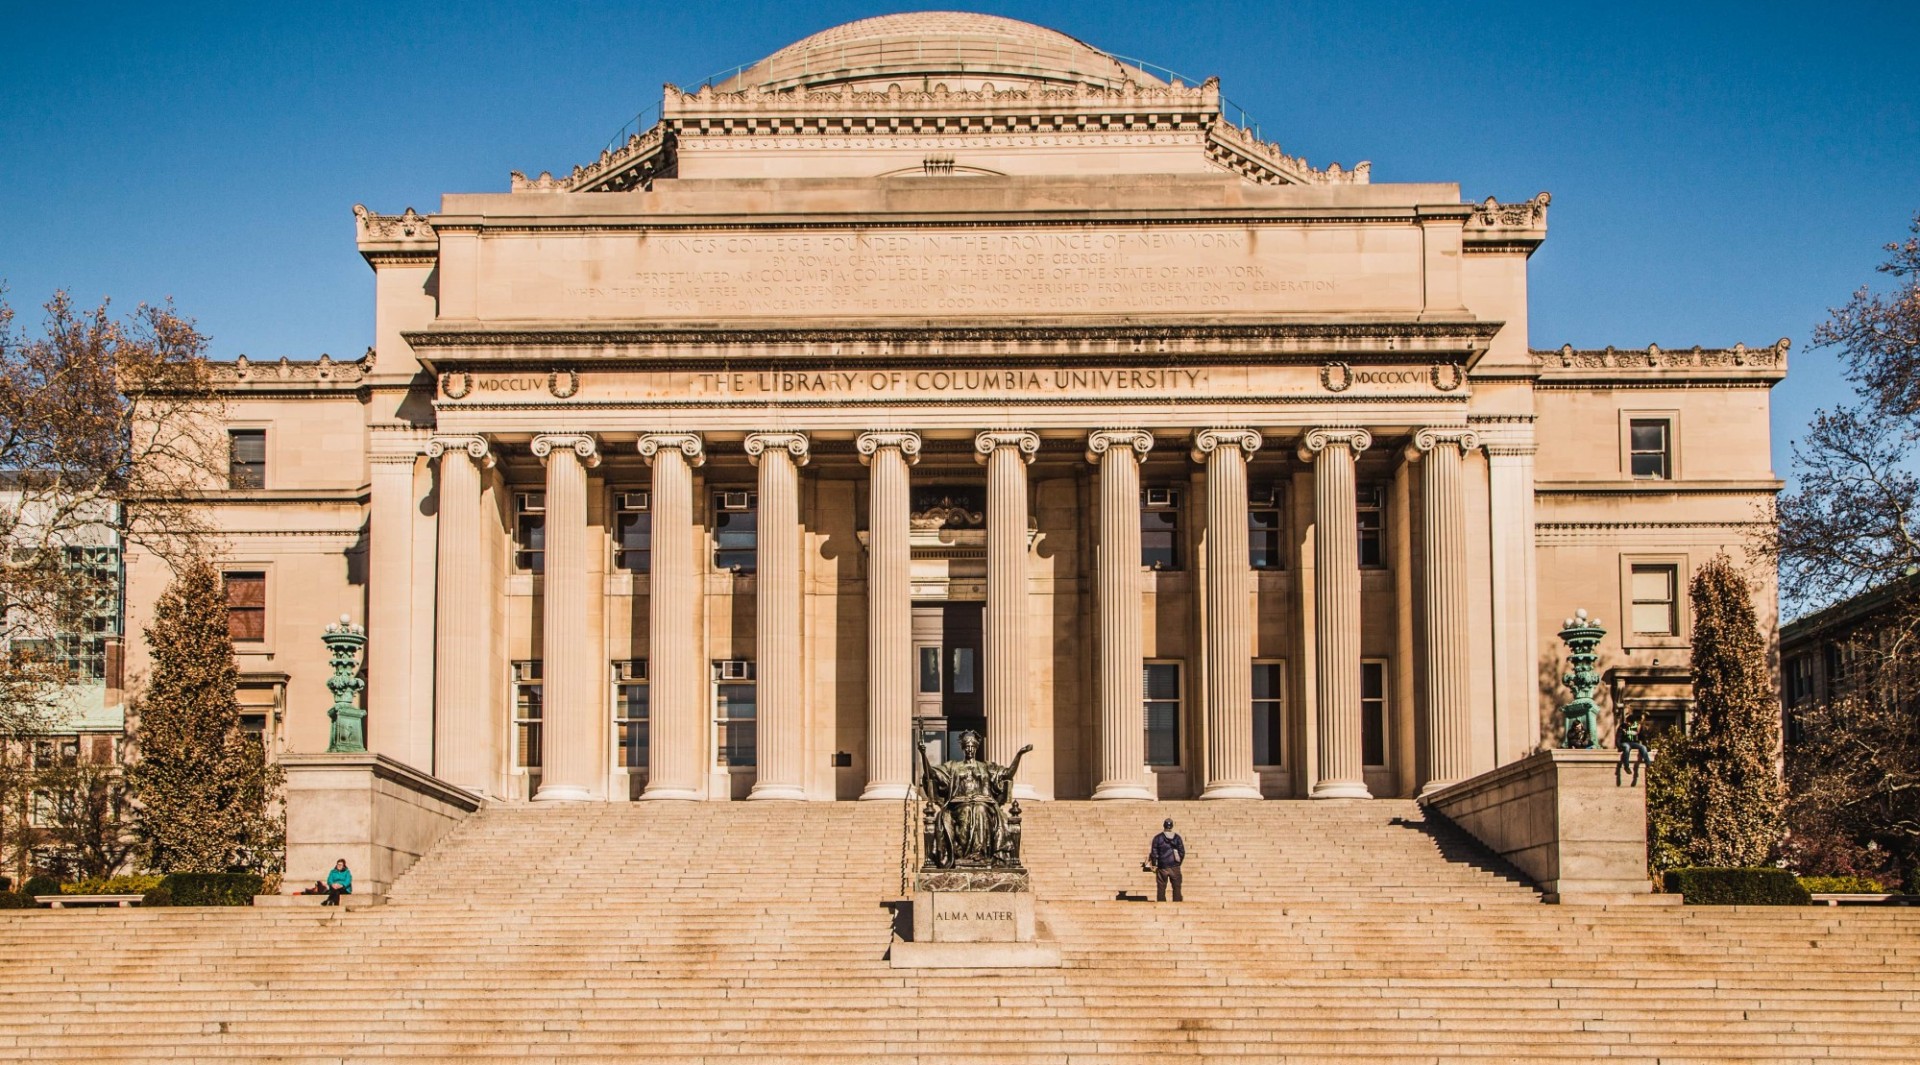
(405, 238)
(1654, 363)
(1654, 487)
(324, 374)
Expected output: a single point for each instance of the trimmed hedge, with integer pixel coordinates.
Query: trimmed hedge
(1843, 885)
(112, 885)
(211, 889)
(40, 885)
(1736, 887)
(13, 900)
(157, 897)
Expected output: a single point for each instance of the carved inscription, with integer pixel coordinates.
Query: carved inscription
(914, 382)
(1177, 269)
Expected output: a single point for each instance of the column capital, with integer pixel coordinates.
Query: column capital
(1318, 440)
(794, 444)
(988, 441)
(1206, 441)
(476, 448)
(688, 444)
(586, 447)
(1434, 437)
(868, 443)
(1101, 440)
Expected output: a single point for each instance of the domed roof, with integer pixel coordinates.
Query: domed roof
(935, 44)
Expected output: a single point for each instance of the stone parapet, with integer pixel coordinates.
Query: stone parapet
(379, 814)
(1559, 818)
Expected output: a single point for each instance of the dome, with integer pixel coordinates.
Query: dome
(957, 47)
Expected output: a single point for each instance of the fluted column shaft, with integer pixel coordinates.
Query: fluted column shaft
(1006, 454)
(571, 768)
(1336, 577)
(1443, 523)
(1228, 773)
(1122, 725)
(463, 731)
(779, 727)
(678, 752)
(889, 613)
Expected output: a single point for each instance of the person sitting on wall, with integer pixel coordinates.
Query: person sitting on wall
(339, 882)
(1626, 736)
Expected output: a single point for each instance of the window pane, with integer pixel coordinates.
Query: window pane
(1163, 733)
(1373, 713)
(246, 589)
(1649, 435)
(1653, 618)
(634, 535)
(1373, 681)
(1652, 583)
(1162, 680)
(1650, 465)
(930, 670)
(526, 745)
(963, 666)
(1266, 732)
(1266, 680)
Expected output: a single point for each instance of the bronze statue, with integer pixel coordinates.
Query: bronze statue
(966, 818)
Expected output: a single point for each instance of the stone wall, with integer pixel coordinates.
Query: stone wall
(378, 814)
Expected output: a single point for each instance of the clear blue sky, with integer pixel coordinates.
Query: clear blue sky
(1720, 172)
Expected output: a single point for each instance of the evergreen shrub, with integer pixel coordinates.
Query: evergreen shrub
(40, 885)
(13, 900)
(212, 889)
(1843, 885)
(1710, 886)
(157, 897)
(112, 885)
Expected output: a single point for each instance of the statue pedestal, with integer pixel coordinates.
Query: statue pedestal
(974, 919)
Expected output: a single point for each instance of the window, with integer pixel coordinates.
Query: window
(734, 710)
(527, 714)
(1160, 528)
(1163, 712)
(630, 712)
(1800, 674)
(1649, 448)
(1654, 602)
(633, 532)
(94, 617)
(1268, 724)
(530, 531)
(1372, 515)
(247, 607)
(1266, 547)
(1373, 713)
(736, 531)
(246, 458)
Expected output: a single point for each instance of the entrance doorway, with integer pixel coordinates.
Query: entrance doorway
(946, 676)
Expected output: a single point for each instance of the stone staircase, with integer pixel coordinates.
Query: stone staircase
(757, 933)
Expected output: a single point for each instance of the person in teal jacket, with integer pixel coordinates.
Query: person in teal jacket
(339, 882)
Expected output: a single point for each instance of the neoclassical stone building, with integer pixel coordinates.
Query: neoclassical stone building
(942, 372)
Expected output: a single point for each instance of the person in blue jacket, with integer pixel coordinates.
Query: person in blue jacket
(339, 882)
(1164, 856)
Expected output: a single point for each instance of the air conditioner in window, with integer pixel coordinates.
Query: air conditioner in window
(533, 502)
(1162, 497)
(631, 669)
(736, 501)
(735, 669)
(636, 500)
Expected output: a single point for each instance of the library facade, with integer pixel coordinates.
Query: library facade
(942, 373)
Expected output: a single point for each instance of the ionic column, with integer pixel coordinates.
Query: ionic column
(1228, 773)
(1516, 692)
(677, 752)
(1443, 524)
(571, 769)
(779, 728)
(463, 730)
(1336, 579)
(1006, 453)
(889, 614)
(1122, 725)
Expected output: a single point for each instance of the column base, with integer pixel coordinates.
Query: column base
(777, 791)
(1027, 791)
(884, 792)
(1124, 791)
(562, 793)
(675, 794)
(1432, 786)
(1339, 789)
(1231, 791)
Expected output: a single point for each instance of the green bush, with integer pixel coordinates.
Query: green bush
(1843, 885)
(157, 897)
(14, 900)
(41, 885)
(112, 885)
(213, 889)
(1708, 886)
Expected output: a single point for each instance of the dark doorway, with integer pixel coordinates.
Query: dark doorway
(947, 676)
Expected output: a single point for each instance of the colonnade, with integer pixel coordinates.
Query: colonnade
(679, 714)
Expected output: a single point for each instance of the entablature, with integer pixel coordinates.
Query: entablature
(1653, 366)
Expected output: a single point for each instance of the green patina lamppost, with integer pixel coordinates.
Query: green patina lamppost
(1579, 719)
(345, 641)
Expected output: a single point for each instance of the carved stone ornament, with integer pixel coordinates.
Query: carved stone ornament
(1336, 377)
(1454, 376)
(456, 385)
(870, 443)
(580, 444)
(476, 448)
(1318, 440)
(794, 444)
(989, 441)
(1206, 441)
(1100, 440)
(688, 444)
(1435, 437)
(409, 225)
(563, 384)
(947, 513)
